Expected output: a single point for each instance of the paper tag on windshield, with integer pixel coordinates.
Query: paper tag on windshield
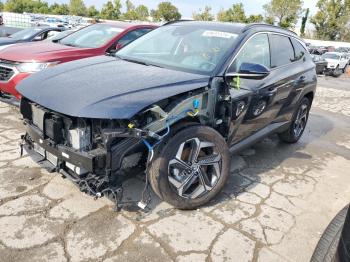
(218, 34)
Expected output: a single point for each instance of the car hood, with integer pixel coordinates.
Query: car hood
(7, 41)
(106, 87)
(40, 51)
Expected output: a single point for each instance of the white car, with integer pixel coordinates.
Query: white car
(336, 62)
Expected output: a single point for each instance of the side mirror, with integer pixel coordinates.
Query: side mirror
(114, 48)
(251, 71)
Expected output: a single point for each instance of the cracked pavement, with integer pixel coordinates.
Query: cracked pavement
(277, 202)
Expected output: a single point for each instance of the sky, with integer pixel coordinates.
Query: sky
(187, 7)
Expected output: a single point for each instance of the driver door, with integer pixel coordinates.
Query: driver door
(267, 94)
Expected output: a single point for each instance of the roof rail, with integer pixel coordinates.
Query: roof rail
(177, 21)
(249, 26)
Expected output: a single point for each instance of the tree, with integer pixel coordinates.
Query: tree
(303, 22)
(111, 10)
(285, 12)
(59, 9)
(332, 19)
(166, 12)
(204, 15)
(77, 7)
(142, 12)
(92, 11)
(234, 14)
(254, 19)
(29, 6)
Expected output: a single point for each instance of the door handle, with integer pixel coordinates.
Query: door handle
(272, 91)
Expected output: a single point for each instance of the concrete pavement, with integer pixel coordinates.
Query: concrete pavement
(275, 206)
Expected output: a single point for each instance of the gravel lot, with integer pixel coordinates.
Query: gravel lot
(277, 202)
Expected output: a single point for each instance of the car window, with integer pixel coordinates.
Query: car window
(92, 36)
(282, 52)
(256, 50)
(132, 35)
(299, 50)
(52, 33)
(188, 48)
(26, 33)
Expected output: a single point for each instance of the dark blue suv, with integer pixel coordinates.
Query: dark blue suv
(174, 104)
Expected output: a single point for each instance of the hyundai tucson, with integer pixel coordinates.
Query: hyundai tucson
(172, 104)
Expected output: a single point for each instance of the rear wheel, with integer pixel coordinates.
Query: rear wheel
(297, 127)
(191, 168)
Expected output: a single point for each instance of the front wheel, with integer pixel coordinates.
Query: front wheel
(191, 167)
(299, 121)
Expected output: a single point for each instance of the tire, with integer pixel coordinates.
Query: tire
(290, 135)
(326, 248)
(336, 72)
(204, 179)
(344, 69)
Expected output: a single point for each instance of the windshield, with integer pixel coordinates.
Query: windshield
(93, 36)
(24, 34)
(187, 48)
(330, 56)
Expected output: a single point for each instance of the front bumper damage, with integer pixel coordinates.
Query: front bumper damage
(82, 168)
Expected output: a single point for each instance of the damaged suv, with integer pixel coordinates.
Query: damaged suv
(174, 104)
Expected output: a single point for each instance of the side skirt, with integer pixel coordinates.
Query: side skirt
(261, 134)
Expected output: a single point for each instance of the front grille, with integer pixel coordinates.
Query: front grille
(6, 73)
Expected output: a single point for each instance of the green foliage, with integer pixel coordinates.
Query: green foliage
(204, 15)
(255, 19)
(332, 19)
(77, 7)
(92, 12)
(111, 10)
(303, 22)
(237, 14)
(286, 13)
(234, 14)
(166, 12)
(135, 13)
(30, 6)
(59, 9)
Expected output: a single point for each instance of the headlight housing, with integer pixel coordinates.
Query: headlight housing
(32, 67)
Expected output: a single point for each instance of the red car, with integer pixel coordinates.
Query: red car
(19, 61)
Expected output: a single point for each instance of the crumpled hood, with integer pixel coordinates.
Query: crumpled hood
(106, 87)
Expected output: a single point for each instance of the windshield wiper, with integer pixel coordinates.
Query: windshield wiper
(136, 61)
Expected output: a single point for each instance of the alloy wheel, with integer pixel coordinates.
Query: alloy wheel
(301, 120)
(195, 169)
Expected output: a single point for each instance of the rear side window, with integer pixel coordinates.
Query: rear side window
(256, 51)
(282, 52)
(298, 49)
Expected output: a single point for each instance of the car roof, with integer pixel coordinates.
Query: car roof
(236, 28)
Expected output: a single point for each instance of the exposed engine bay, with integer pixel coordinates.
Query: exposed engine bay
(99, 155)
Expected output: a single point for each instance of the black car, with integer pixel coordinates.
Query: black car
(334, 245)
(321, 64)
(175, 103)
(29, 35)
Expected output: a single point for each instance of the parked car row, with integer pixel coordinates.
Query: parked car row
(172, 101)
(21, 60)
(331, 63)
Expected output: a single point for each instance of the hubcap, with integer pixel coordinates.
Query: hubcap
(195, 169)
(300, 121)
